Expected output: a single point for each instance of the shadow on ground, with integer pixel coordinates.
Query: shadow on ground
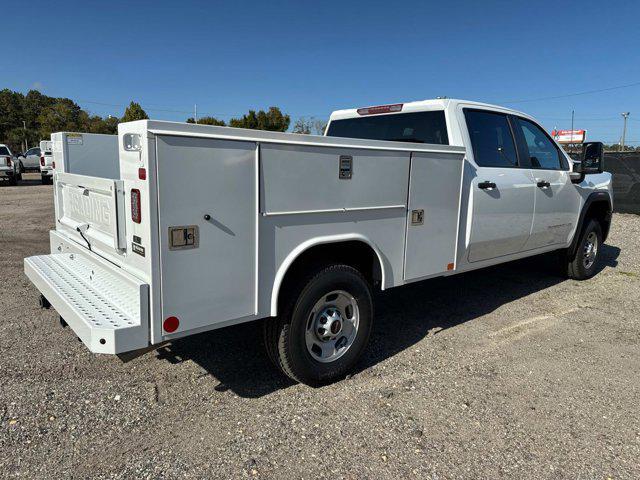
(27, 181)
(235, 355)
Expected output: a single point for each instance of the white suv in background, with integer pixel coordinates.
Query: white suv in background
(46, 162)
(7, 165)
(29, 161)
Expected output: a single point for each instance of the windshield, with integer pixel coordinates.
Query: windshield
(419, 127)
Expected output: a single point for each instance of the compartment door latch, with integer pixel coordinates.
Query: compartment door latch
(184, 237)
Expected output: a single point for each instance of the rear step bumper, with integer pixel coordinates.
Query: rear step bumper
(107, 309)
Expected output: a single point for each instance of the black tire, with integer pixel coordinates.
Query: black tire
(13, 181)
(285, 335)
(579, 268)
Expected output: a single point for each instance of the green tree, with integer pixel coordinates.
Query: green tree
(208, 121)
(98, 124)
(56, 117)
(273, 120)
(134, 112)
(34, 116)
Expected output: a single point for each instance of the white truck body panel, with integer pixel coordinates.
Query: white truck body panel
(90, 154)
(225, 212)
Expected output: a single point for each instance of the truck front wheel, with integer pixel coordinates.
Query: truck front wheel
(324, 329)
(584, 264)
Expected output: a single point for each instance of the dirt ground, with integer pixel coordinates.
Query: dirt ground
(511, 372)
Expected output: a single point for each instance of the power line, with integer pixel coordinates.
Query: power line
(587, 92)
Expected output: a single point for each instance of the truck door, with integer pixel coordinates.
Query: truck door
(207, 227)
(501, 191)
(557, 201)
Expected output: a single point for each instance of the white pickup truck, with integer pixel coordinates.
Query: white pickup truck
(212, 226)
(47, 165)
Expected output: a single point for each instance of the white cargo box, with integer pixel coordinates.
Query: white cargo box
(209, 219)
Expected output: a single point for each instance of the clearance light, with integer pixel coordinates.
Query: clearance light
(142, 173)
(135, 205)
(396, 107)
(171, 324)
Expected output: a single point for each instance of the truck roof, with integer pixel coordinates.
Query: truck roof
(423, 105)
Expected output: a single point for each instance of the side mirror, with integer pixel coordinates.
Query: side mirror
(592, 158)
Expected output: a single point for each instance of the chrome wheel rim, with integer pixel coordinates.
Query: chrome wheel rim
(332, 326)
(590, 251)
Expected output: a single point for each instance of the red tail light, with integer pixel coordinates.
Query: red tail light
(8, 160)
(42, 160)
(135, 205)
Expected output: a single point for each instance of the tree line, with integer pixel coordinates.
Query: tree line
(27, 119)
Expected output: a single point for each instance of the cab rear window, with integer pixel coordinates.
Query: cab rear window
(4, 151)
(418, 127)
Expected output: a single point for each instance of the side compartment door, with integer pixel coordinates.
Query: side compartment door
(501, 194)
(433, 213)
(207, 220)
(557, 200)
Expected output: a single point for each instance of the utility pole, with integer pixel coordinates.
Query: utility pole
(625, 115)
(195, 112)
(572, 116)
(26, 144)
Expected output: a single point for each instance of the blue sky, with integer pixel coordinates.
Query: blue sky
(310, 58)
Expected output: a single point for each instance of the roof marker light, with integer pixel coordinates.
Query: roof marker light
(396, 107)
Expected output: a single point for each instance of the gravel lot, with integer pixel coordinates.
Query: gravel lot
(510, 372)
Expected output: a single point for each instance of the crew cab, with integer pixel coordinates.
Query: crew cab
(46, 161)
(210, 226)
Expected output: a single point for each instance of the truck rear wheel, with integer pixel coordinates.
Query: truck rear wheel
(324, 329)
(584, 264)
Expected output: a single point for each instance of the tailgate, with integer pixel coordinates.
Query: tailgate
(106, 307)
(91, 210)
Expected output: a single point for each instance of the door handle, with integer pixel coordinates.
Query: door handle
(486, 185)
(543, 184)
